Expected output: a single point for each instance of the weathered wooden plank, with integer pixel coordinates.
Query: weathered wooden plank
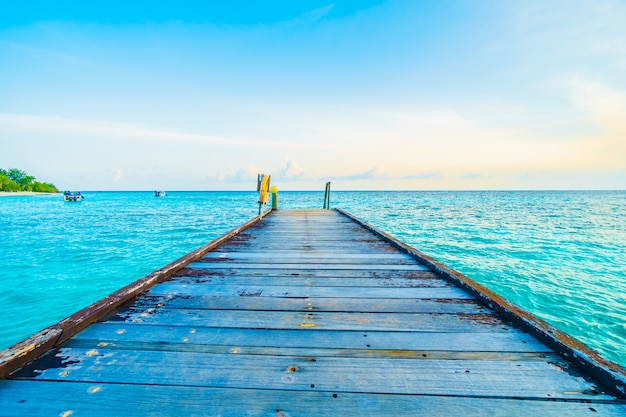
(286, 237)
(365, 305)
(324, 248)
(300, 255)
(263, 245)
(315, 231)
(41, 398)
(315, 266)
(295, 258)
(510, 341)
(295, 291)
(311, 352)
(317, 261)
(197, 276)
(308, 246)
(28, 349)
(315, 352)
(250, 272)
(525, 379)
(408, 322)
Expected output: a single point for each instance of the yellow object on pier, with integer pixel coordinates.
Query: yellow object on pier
(263, 187)
(274, 191)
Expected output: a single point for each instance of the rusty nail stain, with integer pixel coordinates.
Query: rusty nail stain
(292, 368)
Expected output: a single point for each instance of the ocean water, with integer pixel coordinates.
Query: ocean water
(558, 254)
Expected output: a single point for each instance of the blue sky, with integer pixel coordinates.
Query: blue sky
(457, 94)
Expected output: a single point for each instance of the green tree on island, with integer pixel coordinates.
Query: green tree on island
(15, 179)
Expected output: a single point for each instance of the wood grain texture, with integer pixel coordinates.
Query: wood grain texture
(43, 398)
(491, 378)
(363, 305)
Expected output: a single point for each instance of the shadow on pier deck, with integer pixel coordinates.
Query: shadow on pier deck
(305, 313)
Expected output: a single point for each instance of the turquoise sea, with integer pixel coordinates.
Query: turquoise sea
(558, 254)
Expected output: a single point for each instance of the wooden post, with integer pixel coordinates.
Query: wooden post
(327, 196)
(274, 191)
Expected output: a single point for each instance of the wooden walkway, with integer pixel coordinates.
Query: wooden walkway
(307, 313)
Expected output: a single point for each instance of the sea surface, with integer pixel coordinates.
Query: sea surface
(558, 254)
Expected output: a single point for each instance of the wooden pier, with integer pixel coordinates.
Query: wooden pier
(306, 313)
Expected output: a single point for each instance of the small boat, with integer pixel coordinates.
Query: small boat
(159, 193)
(73, 196)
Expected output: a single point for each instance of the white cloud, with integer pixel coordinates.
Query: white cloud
(119, 174)
(291, 170)
(246, 174)
(606, 106)
(53, 124)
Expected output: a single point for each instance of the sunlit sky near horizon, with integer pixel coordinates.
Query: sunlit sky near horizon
(458, 94)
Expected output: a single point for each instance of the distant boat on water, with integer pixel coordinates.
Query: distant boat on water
(159, 193)
(73, 196)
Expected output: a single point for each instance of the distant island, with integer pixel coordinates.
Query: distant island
(15, 179)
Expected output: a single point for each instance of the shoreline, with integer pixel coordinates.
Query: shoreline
(22, 193)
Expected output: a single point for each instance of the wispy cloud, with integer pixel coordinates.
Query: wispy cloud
(320, 13)
(47, 53)
(246, 174)
(315, 15)
(371, 174)
(33, 123)
(473, 176)
(376, 174)
(424, 176)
